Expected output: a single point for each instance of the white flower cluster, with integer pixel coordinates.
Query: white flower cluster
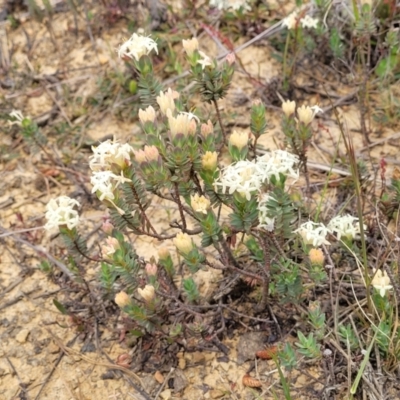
(17, 115)
(346, 226)
(137, 46)
(227, 4)
(279, 162)
(107, 155)
(265, 221)
(294, 19)
(246, 177)
(60, 211)
(315, 234)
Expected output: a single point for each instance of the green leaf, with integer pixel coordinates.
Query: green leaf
(60, 307)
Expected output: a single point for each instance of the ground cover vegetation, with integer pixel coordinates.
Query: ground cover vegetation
(254, 236)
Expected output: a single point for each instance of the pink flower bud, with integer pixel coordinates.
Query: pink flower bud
(151, 269)
(140, 156)
(230, 58)
(151, 153)
(107, 227)
(207, 129)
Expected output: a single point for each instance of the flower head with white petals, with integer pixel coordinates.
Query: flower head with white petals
(290, 21)
(346, 225)
(313, 233)
(241, 177)
(108, 153)
(279, 162)
(18, 117)
(295, 19)
(247, 177)
(60, 212)
(205, 60)
(309, 22)
(137, 46)
(381, 282)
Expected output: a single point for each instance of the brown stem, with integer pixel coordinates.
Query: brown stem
(142, 210)
(85, 255)
(303, 160)
(266, 272)
(219, 120)
(180, 208)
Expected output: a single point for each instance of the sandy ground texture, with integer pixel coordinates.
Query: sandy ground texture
(42, 353)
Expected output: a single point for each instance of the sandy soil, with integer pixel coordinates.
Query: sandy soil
(42, 356)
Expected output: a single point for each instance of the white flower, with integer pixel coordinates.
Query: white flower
(313, 233)
(227, 4)
(104, 183)
(265, 221)
(18, 117)
(205, 60)
(345, 225)
(381, 282)
(309, 22)
(247, 177)
(241, 177)
(137, 46)
(60, 211)
(291, 20)
(278, 162)
(109, 153)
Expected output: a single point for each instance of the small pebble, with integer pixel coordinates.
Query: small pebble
(22, 335)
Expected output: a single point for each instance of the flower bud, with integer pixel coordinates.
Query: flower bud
(230, 58)
(200, 204)
(183, 243)
(207, 129)
(108, 249)
(122, 299)
(151, 153)
(239, 140)
(183, 124)
(140, 156)
(163, 253)
(166, 100)
(151, 269)
(305, 114)
(209, 160)
(148, 293)
(147, 115)
(289, 107)
(316, 257)
(107, 227)
(190, 46)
